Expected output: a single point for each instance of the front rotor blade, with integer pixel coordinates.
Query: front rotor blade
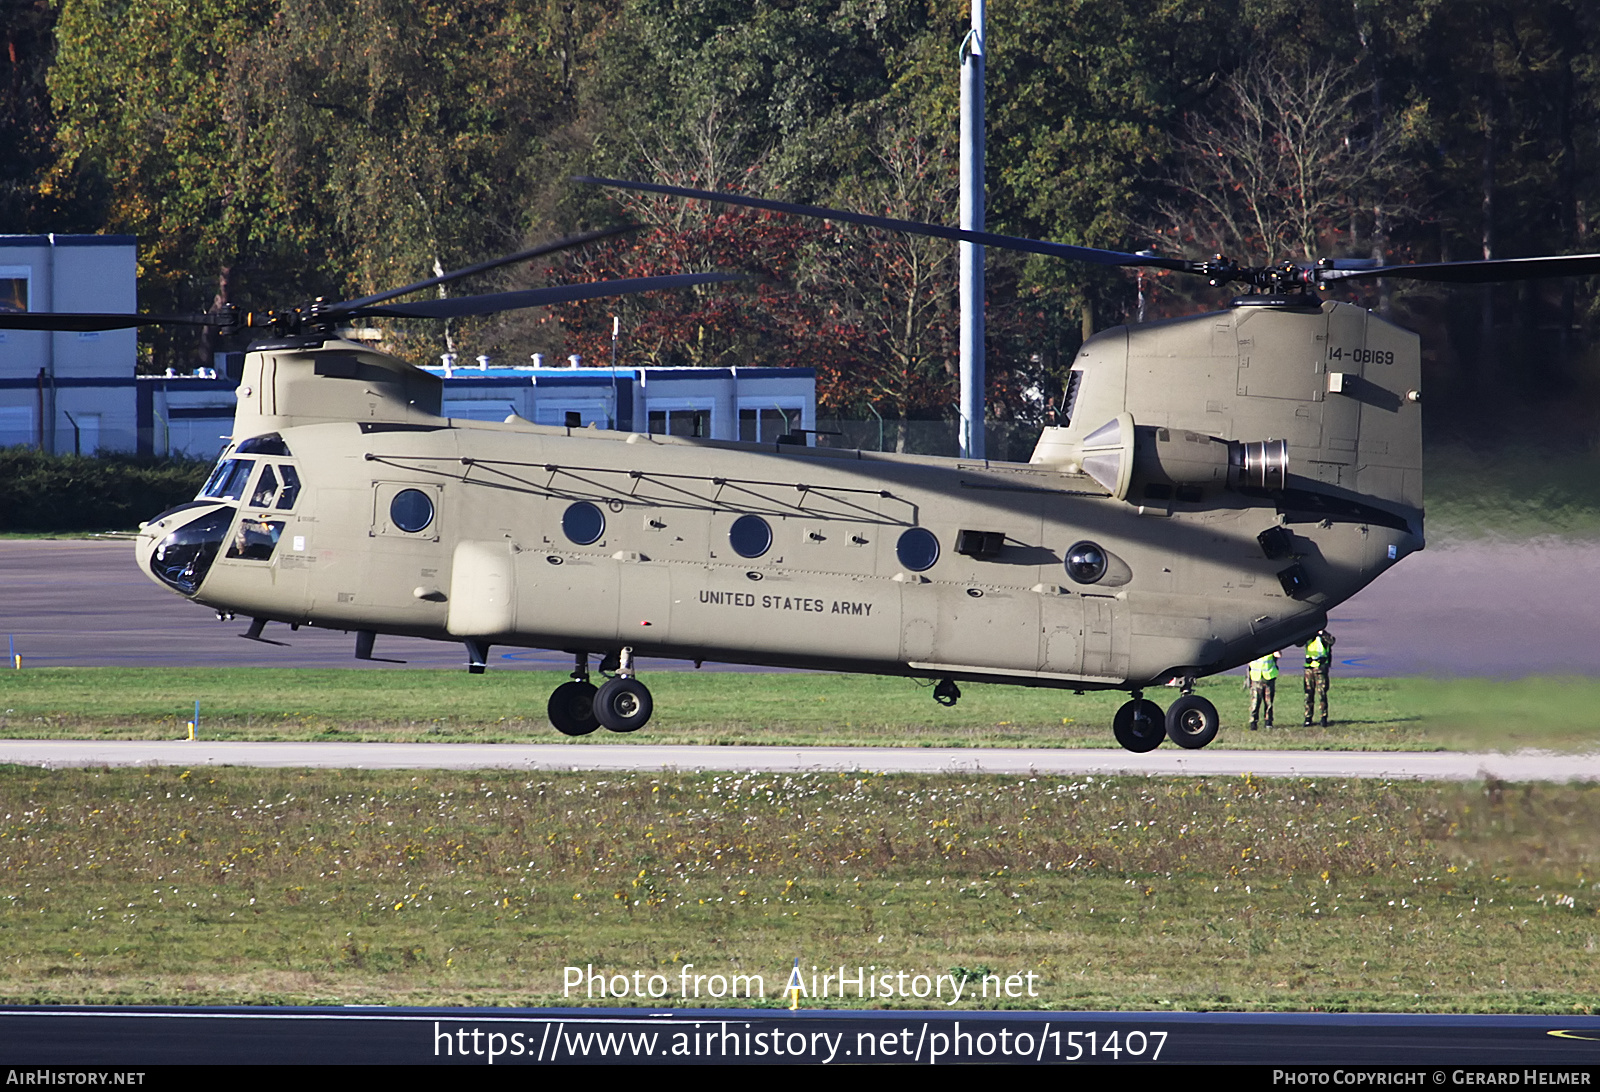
(483, 267)
(1479, 272)
(461, 306)
(913, 227)
(85, 321)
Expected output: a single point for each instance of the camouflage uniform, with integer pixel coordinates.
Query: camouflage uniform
(1263, 687)
(1319, 658)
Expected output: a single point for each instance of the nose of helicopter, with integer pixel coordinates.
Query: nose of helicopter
(177, 547)
(150, 534)
(144, 546)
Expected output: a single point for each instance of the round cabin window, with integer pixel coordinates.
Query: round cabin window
(583, 523)
(750, 536)
(411, 510)
(917, 549)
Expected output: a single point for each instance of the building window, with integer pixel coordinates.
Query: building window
(14, 289)
(14, 295)
(694, 423)
(764, 424)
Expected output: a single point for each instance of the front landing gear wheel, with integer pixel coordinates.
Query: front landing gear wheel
(623, 704)
(1138, 725)
(571, 708)
(1192, 722)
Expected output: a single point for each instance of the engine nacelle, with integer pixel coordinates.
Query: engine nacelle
(1151, 463)
(1225, 402)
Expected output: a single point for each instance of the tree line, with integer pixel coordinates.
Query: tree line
(267, 153)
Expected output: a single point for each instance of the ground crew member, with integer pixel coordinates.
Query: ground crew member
(1319, 658)
(1263, 686)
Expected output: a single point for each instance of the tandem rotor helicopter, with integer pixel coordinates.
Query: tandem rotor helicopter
(1219, 483)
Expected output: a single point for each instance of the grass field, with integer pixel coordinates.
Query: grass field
(788, 709)
(691, 707)
(269, 886)
(238, 885)
(1510, 493)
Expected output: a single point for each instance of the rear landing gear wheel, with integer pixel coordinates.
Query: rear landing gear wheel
(571, 708)
(1138, 725)
(623, 704)
(1192, 722)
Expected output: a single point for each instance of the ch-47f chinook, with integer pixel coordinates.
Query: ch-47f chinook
(1220, 483)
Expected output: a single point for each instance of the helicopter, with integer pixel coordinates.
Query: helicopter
(1216, 485)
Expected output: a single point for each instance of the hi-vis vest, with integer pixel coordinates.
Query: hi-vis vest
(1317, 653)
(1264, 669)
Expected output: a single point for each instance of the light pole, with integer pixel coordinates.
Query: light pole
(972, 219)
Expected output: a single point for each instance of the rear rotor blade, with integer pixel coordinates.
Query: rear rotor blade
(1479, 272)
(914, 227)
(460, 306)
(483, 267)
(85, 321)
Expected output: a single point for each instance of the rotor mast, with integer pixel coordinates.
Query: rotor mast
(972, 217)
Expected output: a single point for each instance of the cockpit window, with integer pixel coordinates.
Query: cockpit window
(256, 539)
(291, 487)
(218, 472)
(266, 487)
(183, 558)
(277, 487)
(228, 480)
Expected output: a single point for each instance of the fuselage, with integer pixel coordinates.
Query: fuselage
(1221, 483)
(768, 554)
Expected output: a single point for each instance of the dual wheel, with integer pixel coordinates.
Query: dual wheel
(1191, 723)
(579, 707)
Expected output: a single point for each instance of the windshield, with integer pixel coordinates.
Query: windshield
(291, 487)
(228, 480)
(182, 559)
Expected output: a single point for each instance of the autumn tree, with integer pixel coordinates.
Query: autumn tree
(1277, 167)
(266, 152)
(766, 321)
(413, 131)
(27, 129)
(142, 90)
(872, 310)
(1083, 96)
(898, 291)
(791, 86)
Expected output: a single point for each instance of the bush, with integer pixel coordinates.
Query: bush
(51, 493)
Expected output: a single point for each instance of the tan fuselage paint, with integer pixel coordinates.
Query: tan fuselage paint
(1188, 588)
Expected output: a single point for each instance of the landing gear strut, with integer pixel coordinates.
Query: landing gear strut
(1192, 722)
(1139, 725)
(623, 703)
(571, 706)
